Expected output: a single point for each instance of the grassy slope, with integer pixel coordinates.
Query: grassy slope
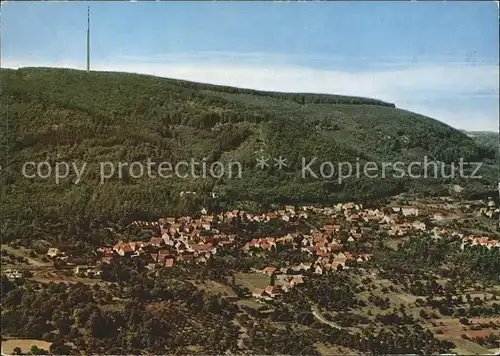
(69, 115)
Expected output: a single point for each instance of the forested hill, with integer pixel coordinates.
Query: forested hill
(73, 116)
(487, 139)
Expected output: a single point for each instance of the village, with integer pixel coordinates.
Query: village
(185, 240)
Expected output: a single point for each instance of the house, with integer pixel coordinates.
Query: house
(53, 252)
(175, 227)
(318, 270)
(257, 293)
(290, 208)
(444, 216)
(272, 291)
(206, 226)
(156, 241)
(302, 267)
(153, 257)
(285, 217)
(401, 229)
(331, 228)
(186, 257)
(267, 245)
(136, 245)
(125, 249)
(138, 253)
(230, 214)
(118, 245)
(409, 210)
(389, 219)
(340, 260)
(105, 251)
(106, 259)
(337, 266)
(81, 270)
(303, 215)
(163, 254)
(306, 241)
(348, 206)
(271, 216)
(296, 280)
(335, 247)
(371, 217)
(406, 210)
(269, 270)
(354, 217)
(201, 260)
(169, 262)
(208, 218)
(151, 266)
(13, 274)
(364, 257)
(418, 225)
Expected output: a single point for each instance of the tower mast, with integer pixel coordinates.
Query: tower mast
(88, 39)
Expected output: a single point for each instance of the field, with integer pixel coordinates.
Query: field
(64, 276)
(252, 280)
(214, 288)
(328, 350)
(451, 329)
(33, 262)
(249, 303)
(25, 344)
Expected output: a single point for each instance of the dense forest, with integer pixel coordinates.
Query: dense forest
(488, 139)
(62, 115)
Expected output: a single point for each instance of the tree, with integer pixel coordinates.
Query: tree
(59, 348)
(35, 350)
(464, 321)
(6, 285)
(98, 325)
(272, 279)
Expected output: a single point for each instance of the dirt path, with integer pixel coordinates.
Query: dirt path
(317, 314)
(55, 276)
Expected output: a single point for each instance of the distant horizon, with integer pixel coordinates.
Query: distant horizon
(436, 59)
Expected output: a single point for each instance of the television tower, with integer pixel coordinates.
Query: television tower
(88, 39)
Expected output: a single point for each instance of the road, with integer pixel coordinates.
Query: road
(317, 314)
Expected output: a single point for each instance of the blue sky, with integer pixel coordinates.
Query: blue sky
(438, 58)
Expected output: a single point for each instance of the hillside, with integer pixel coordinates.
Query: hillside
(69, 115)
(488, 139)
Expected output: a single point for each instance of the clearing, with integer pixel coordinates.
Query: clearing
(252, 280)
(8, 346)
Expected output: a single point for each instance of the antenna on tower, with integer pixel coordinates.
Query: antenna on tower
(88, 39)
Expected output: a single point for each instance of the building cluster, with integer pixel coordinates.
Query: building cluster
(196, 240)
(485, 241)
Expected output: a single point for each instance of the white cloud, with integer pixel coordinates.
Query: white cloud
(416, 87)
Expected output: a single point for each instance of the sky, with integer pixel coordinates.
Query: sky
(439, 59)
